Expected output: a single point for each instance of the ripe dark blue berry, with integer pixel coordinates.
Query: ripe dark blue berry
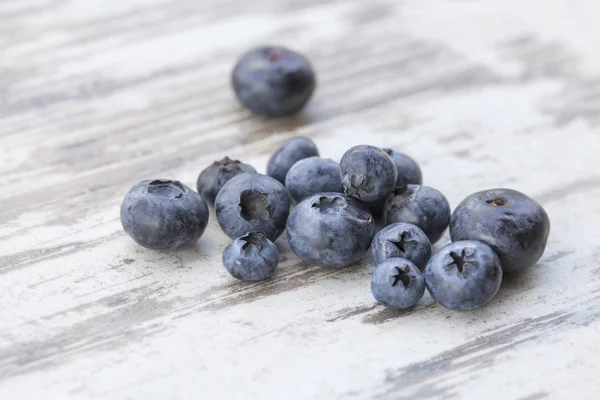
(273, 81)
(289, 153)
(510, 222)
(368, 173)
(409, 172)
(330, 230)
(313, 175)
(252, 203)
(213, 177)
(401, 240)
(163, 214)
(420, 205)
(397, 283)
(463, 275)
(251, 257)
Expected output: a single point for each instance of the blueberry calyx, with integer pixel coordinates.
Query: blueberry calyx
(401, 243)
(497, 202)
(402, 276)
(356, 186)
(326, 204)
(252, 239)
(166, 188)
(255, 205)
(272, 54)
(459, 260)
(227, 163)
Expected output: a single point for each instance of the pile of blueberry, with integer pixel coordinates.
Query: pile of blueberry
(333, 222)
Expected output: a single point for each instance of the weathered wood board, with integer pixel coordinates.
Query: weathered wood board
(97, 94)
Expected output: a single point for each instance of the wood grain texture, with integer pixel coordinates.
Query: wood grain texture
(95, 95)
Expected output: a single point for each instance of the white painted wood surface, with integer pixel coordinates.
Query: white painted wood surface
(97, 94)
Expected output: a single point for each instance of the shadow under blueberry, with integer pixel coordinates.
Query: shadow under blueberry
(520, 281)
(266, 126)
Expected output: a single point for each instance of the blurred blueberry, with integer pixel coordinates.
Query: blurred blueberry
(273, 81)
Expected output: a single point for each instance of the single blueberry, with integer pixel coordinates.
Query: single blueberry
(397, 283)
(313, 175)
(463, 275)
(330, 230)
(420, 205)
(252, 203)
(401, 240)
(251, 257)
(368, 173)
(409, 172)
(213, 177)
(163, 214)
(289, 153)
(510, 222)
(273, 81)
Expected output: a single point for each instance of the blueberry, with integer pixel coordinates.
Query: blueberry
(252, 203)
(289, 153)
(213, 177)
(251, 257)
(163, 214)
(397, 283)
(273, 81)
(409, 172)
(463, 275)
(420, 205)
(313, 175)
(510, 222)
(330, 230)
(401, 240)
(368, 173)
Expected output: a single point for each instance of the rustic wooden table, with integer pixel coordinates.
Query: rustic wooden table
(95, 95)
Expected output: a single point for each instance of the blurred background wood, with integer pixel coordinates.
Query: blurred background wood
(95, 95)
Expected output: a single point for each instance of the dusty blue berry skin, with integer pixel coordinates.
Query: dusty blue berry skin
(251, 257)
(213, 177)
(252, 203)
(163, 214)
(510, 222)
(289, 153)
(313, 175)
(273, 81)
(401, 240)
(368, 173)
(419, 205)
(409, 172)
(463, 275)
(397, 283)
(330, 230)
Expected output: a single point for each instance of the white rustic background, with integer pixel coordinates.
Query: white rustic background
(97, 94)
